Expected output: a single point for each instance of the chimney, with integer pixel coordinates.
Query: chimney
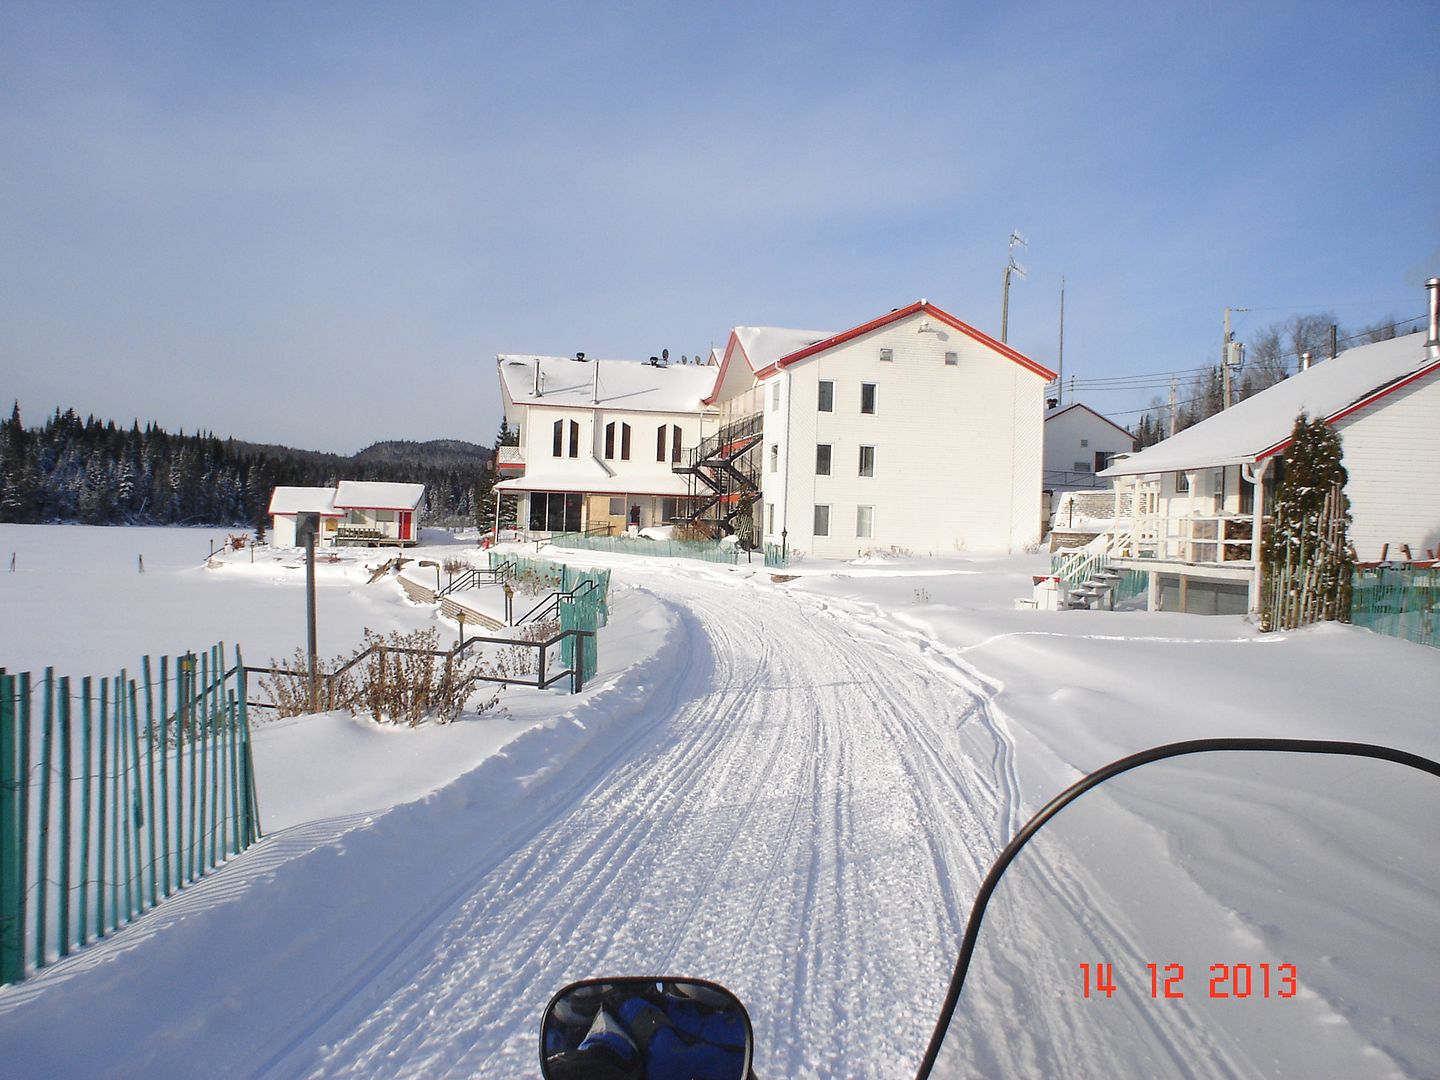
(1433, 341)
(1305, 360)
(539, 379)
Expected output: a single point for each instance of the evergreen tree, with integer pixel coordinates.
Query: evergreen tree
(1306, 560)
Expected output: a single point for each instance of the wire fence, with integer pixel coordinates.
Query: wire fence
(115, 793)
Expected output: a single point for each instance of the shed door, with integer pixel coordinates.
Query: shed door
(406, 518)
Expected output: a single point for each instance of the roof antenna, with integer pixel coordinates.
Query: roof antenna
(1011, 266)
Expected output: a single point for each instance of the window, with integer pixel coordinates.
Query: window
(822, 459)
(867, 461)
(1182, 483)
(624, 442)
(952, 359)
(1085, 443)
(675, 444)
(617, 507)
(574, 438)
(610, 439)
(669, 509)
(887, 355)
(1081, 466)
(822, 520)
(770, 518)
(864, 521)
(774, 457)
(827, 396)
(775, 397)
(660, 442)
(867, 398)
(1104, 459)
(555, 511)
(557, 444)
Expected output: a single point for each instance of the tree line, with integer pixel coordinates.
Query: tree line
(97, 473)
(1271, 355)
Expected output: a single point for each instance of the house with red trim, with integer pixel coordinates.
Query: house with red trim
(1186, 508)
(356, 512)
(912, 432)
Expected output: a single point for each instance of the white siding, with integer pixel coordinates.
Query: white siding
(1392, 454)
(957, 448)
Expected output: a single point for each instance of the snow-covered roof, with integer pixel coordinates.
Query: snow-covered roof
(298, 500)
(1259, 425)
(763, 345)
(375, 495)
(623, 384)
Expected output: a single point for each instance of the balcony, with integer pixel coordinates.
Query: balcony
(1220, 540)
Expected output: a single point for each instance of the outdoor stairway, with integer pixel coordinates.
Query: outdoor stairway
(454, 609)
(732, 483)
(1096, 592)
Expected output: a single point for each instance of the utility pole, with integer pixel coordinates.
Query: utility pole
(1060, 360)
(1230, 352)
(1011, 266)
(1173, 387)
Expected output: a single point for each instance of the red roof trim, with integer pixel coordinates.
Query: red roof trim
(589, 491)
(1356, 406)
(374, 506)
(916, 308)
(730, 346)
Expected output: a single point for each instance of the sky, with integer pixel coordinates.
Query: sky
(317, 224)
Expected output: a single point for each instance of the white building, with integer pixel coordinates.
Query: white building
(1186, 506)
(1080, 443)
(600, 439)
(913, 431)
(355, 512)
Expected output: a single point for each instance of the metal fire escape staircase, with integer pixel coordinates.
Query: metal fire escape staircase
(723, 475)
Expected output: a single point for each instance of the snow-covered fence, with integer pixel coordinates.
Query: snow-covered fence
(702, 550)
(114, 794)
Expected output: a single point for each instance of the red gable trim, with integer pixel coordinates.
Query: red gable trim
(730, 347)
(904, 313)
(1356, 406)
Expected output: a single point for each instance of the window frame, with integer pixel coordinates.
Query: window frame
(863, 448)
(818, 531)
(824, 455)
(872, 390)
(825, 396)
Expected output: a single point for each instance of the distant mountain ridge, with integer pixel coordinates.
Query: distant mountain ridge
(434, 453)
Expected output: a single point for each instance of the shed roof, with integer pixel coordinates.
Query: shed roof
(298, 500)
(375, 495)
(1260, 426)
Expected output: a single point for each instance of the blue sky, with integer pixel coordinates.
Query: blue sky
(318, 223)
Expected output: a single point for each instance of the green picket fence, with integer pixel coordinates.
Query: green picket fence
(561, 577)
(114, 794)
(585, 611)
(703, 550)
(1400, 602)
(776, 557)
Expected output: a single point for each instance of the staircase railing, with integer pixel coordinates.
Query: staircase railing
(551, 604)
(1078, 566)
(477, 576)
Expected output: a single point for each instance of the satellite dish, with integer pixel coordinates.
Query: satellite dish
(665, 355)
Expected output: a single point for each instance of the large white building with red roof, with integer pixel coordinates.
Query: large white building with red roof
(913, 431)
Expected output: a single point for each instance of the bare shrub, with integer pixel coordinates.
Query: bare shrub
(289, 687)
(408, 679)
(454, 565)
(694, 530)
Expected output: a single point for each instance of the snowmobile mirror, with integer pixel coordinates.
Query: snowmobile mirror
(645, 1028)
(1201, 909)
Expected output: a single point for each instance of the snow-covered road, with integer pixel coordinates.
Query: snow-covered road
(785, 799)
(802, 815)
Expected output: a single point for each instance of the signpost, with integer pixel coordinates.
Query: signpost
(307, 527)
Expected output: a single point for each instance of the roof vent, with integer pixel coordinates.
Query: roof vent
(1433, 341)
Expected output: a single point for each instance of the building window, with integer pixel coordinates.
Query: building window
(1081, 466)
(864, 522)
(775, 397)
(867, 398)
(867, 461)
(617, 507)
(1085, 443)
(1182, 483)
(952, 359)
(774, 457)
(574, 438)
(555, 511)
(624, 442)
(770, 518)
(557, 448)
(669, 509)
(822, 520)
(827, 396)
(822, 459)
(675, 444)
(886, 355)
(610, 439)
(660, 443)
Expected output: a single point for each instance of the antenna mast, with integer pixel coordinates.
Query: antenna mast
(1011, 266)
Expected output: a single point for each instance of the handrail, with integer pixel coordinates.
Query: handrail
(585, 585)
(476, 576)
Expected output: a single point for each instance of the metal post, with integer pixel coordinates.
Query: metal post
(310, 645)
